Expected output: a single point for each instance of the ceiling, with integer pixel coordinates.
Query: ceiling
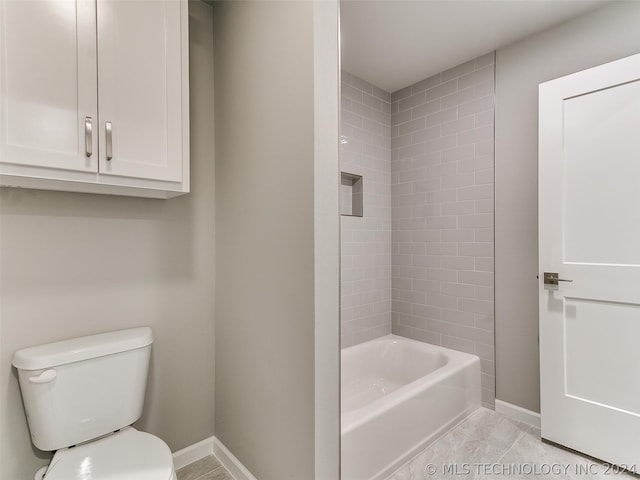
(395, 43)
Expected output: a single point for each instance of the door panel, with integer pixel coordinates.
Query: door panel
(140, 87)
(589, 227)
(592, 374)
(48, 83)
(602, 169)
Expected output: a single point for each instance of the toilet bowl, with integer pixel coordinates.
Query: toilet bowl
(81, 397)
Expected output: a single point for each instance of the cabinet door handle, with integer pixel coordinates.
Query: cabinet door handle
(108, 139)
(88, 136)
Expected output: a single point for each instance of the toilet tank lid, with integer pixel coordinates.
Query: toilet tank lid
(82, 348)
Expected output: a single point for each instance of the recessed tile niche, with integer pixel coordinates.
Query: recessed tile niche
(350, 194)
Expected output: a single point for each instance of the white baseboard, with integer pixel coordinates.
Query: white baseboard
(518, 413)
(231, 463)
(212, 446)
(193, 453)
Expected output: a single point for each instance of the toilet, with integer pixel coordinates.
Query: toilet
(81, 397)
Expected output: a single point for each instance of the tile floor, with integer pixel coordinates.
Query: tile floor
(490, 445)
(485, 445)
(208, 468)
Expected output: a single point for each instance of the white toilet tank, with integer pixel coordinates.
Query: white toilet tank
(80, 389)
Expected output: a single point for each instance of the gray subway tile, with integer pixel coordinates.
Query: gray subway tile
(442, 143)
(480, 134)
(476, 278)
(459, 208)
(458, 263)
(458, 98)
(372, 102)
(361, 84)
(459, 70)
(476, 192)
(351, 92)
(400, 94)
(431, 261)
(485, 235)
(426, 336)
(484, 176)
(441, 248)
(473, 164)
(458, 344)
(443, 328)
(426, 109)
(426, 83)
(484, 293)
(484, 147)
(476, 335)
(382, 94)
(441, 196)
(481, 75)
(412, 101)
(458, 153)
(485, 117)
(485, 264)
(477, 220)
(460, 318)
(442, 116)
(485, 351)
(441, 170)
(426, 210)
(487, 59)
(442, 90)
(426, 311)
(459, 125)
(412, 321)
(482, 105)
(412, 126)
(458, 235)
(458, 290)
(455, 181)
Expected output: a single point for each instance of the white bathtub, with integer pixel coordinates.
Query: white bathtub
(398, 395)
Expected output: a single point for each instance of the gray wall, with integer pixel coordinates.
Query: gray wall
(77, 264)
(264, 77)
(442, 209)
(603, 35)
(365, 149)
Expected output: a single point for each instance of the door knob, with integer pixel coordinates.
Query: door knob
(551, 278)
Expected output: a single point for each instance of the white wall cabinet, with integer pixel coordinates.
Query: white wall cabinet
(95, 96)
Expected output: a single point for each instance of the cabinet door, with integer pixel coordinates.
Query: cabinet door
(48, 85)
(140, 90)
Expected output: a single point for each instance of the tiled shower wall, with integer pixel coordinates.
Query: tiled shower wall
(366, 241)
(442, 139)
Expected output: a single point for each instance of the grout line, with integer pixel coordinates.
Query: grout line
(522, 434)
(203, 474)
(221, 467)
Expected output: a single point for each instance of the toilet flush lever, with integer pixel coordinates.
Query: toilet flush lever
(45, 377)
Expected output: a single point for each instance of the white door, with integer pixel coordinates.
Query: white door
(589, 215)
(48, 82)
(140, 89)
